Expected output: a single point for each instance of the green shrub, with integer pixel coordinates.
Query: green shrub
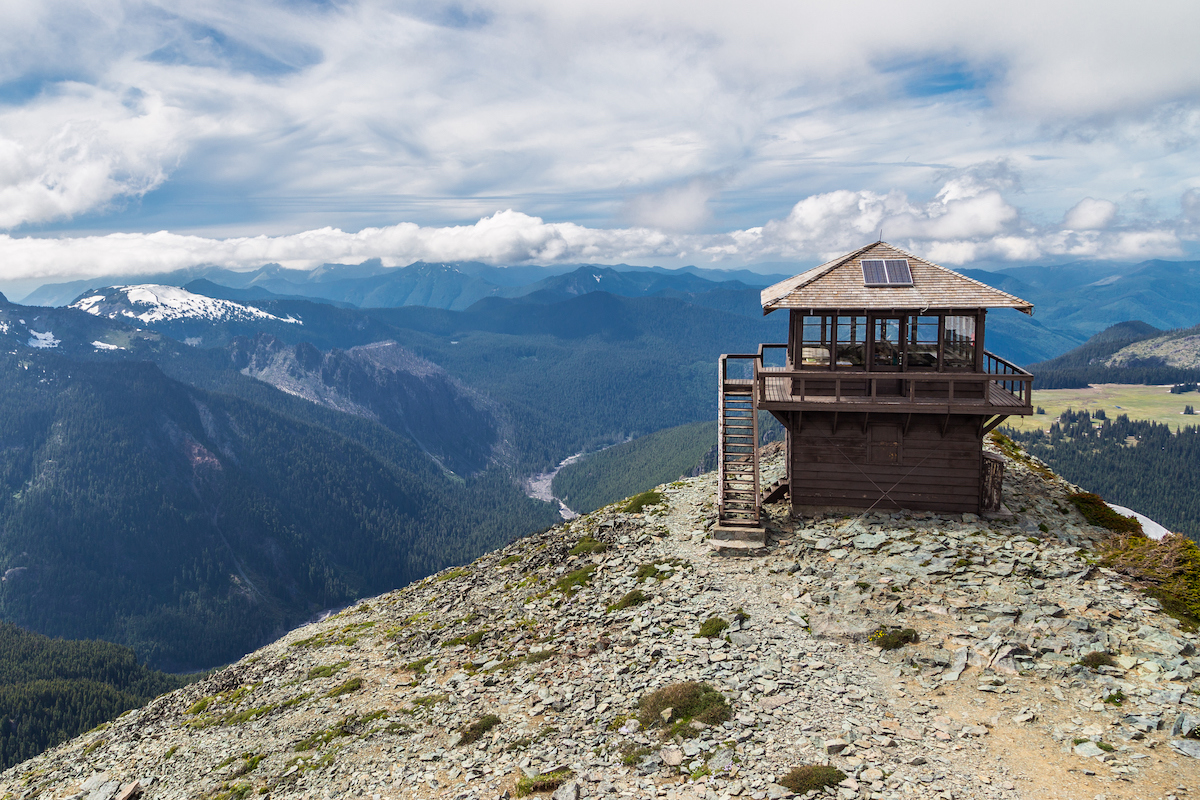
(812, 778)
(1098, 659)
(631, 599)
(588, 545)
(886, 639)
(544, 782)
(640, 501)
(471, 640)
(472, 732)
(419, 665)
(574, 581)
(711, 628)
(1096, 512)
(352, 685)
(687, 701)
(1167, 570)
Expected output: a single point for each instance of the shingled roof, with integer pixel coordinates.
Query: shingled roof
(839, 284)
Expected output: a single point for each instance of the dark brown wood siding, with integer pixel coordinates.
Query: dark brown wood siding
(920, 468)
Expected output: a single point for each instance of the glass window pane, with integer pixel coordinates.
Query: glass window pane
(922, 342)
(886, 336)
(960, 342)
(851, 341)
(815, 341)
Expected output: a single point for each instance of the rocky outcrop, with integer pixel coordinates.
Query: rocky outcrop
(525, 669)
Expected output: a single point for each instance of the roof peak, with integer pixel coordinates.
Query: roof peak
(841, 284)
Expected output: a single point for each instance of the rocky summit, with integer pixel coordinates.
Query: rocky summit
(627, 654)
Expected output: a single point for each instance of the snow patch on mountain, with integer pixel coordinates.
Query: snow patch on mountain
(151, 303)
(43, 341)
(106, 346)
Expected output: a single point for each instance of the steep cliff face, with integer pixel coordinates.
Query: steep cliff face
(541, 667)
(461, 429)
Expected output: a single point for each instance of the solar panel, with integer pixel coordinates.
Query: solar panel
(886, 272)
(897, 272)
(874, 272)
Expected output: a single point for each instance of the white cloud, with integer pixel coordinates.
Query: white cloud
(963, 223)
(1090, 214)
(587, 112)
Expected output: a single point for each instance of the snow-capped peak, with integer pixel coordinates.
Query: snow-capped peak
(151, 303)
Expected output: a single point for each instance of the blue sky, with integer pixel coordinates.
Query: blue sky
(138, 136)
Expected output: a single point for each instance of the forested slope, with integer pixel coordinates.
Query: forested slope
(194, 526)
(52, 690)
(1145, 466)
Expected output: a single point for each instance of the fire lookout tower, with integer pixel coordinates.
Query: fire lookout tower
(885, 391)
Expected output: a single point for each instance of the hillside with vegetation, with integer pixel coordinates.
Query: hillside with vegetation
(193, 526)
(52, 690)
(1142, 465)
(633, 467)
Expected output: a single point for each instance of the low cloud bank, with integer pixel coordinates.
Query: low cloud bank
(968, 220)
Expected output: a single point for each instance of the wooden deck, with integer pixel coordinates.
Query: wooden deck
(1004, 389)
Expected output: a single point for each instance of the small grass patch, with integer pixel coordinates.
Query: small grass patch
(458, 572)
(542, 782)
(295, 701)
(346, 636)
(740, 615)
(688, 701)
(893, 639)
(540, 656)
(1116, 698)
(574, 581)
(508, 560)
(812, 778)
(430, 700)
(711, 628)
(472, 732)
(200, 705)
(352, 685)
(1105, 746)
(470, 640)
(640, 501)
(525, 741)
(419, 665)
(327, 671)
(629, 600)
(1098, 658)
(587, 545)
(632, 754)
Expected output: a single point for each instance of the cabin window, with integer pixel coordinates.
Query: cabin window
(816, 341)
(959, 342)
(886, 342)
(851, 341)
(922, 351)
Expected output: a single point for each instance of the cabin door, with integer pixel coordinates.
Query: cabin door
(887, 352)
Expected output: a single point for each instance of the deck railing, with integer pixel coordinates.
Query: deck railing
(1001, 385)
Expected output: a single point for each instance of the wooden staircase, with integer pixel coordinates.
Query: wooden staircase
(737, 455)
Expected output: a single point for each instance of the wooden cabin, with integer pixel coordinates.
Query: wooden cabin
(884, 388)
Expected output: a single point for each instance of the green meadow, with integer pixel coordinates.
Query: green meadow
(1154, 403)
